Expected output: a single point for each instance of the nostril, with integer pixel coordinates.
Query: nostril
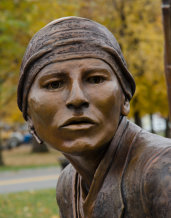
(70, 106)
(85, 104)
(79, 106)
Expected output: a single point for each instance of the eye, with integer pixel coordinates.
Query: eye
(54, 84)
(95, 79)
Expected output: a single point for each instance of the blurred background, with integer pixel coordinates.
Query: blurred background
(138, 28)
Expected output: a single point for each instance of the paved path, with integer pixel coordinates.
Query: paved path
(27, 180)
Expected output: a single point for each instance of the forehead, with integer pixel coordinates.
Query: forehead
(81, 65)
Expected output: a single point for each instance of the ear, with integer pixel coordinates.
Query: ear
(125, 107)
(32, 130)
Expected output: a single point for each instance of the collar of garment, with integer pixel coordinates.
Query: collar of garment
(114, 160)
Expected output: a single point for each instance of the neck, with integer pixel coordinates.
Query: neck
(87, 164)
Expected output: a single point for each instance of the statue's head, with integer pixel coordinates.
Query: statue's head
(74, 85)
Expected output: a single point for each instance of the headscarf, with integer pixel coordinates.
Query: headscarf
(71, 38)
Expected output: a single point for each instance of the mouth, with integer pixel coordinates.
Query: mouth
(78, 123)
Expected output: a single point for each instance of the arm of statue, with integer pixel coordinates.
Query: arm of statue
(157, 185)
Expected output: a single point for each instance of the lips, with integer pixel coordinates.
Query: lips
(78, 123)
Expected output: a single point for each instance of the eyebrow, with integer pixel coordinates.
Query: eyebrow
(52, 73)
(62, 74)
(97, 69)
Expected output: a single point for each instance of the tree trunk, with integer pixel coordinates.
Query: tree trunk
(1, 159)
(137, 118)
(168, 128)
(151, 123)
(39, 148)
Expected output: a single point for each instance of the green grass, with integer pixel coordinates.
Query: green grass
(32, 204)
(16, 168)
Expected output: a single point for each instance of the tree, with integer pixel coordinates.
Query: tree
(138, 28)
(19, 22)
(136, 24)
(1, 160)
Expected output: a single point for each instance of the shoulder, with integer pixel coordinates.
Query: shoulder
(149, 140)
(147, 176)
(65, 180)
(64, 189)
(154, 140)
(66, 175)
(147, 145)
(156, 184)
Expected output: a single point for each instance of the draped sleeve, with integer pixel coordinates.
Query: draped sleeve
(157, 185)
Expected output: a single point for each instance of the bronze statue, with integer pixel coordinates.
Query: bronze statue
(74, 92)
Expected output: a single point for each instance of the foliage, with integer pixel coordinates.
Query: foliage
(136, 24)
(12, 44)
(29, 204)
(19, 21)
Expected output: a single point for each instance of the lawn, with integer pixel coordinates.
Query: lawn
(32, 204)
(22, 158)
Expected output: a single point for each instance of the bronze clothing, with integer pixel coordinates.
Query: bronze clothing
(133, 180)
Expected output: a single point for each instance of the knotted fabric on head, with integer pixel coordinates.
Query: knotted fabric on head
(71, 38)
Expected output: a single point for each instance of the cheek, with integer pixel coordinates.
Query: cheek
(107, 99)
(43, 107)
(39, 110)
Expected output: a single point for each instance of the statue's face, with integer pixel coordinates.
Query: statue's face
(75, 105)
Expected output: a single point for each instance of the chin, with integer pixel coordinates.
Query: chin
(79, 147)
(76, 147)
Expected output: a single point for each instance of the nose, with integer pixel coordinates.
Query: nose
(77, 98)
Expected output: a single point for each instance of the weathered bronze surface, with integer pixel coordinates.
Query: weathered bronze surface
(74, 92)
(166, 9)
